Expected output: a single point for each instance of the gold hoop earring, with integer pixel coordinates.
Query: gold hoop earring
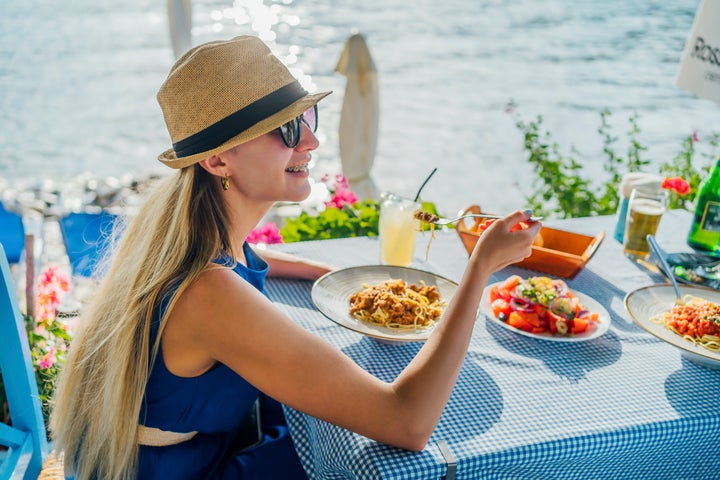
(225, 183)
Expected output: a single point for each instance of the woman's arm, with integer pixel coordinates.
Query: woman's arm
(290, 266)
(222, 318)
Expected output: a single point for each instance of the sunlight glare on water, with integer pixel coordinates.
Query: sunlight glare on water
(79, 81)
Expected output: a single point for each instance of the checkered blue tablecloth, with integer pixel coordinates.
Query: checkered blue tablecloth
(623, 406)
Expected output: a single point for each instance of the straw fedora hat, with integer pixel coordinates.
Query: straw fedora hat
(223, 93)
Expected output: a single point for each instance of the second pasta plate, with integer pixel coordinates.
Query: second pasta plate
(331, 295)
(647, 303)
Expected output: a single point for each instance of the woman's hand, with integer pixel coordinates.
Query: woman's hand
(506, 241)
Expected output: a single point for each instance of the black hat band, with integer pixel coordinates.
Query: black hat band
(223, 130)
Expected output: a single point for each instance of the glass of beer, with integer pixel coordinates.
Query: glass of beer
(397, 230)
(645, 208)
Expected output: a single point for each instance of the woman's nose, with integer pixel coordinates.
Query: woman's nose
(308, 140)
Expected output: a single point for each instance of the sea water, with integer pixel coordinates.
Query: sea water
(78, 82)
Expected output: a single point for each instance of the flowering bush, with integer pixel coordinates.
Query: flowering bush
(268, 233)
(344, 216)
(683, 165)
(49, 337)
(339, 215)
(677, 185)
(340, 192)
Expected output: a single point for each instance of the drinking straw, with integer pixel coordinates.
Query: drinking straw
(423, 184)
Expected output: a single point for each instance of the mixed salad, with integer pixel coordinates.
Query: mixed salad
(539, 305)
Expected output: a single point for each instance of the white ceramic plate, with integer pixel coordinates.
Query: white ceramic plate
(646, 302)
(591, 304)
(331, 295)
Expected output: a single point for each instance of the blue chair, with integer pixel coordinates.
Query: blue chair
(26, 439)
(86, 237)
(12, 235)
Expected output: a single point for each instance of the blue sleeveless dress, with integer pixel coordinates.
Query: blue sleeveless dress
(214, 404)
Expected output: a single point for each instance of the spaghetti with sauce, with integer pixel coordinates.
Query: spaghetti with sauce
(395, 304)
(697, 321)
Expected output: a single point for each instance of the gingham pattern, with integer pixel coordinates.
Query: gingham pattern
(623, 406)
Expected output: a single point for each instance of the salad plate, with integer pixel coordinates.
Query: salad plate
(592, 305)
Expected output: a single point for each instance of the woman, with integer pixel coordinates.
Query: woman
(179, 340)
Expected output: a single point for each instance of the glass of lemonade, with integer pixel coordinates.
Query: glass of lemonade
(645, 208)
(397, 230)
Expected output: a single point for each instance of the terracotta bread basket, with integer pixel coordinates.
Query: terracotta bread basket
(555, 252)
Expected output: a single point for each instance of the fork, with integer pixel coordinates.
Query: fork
(446, 221)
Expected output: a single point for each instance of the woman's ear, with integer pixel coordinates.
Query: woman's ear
(214, 165)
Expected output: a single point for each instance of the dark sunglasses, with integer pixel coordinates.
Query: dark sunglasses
(292, 130)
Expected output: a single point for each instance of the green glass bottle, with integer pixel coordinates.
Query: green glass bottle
(705, 230)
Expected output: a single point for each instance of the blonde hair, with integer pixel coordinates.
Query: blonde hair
(175, 235)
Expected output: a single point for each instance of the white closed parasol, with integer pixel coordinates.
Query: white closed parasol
(358, 130)
(700, 63)
(180, 22)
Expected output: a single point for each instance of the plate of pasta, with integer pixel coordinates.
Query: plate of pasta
(693, 327)
(396, 304)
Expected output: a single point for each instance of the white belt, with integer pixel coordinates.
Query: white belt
(154, 437)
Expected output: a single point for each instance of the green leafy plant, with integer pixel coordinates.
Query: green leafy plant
(359, 219)
(561, 191)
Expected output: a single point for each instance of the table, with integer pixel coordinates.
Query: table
(622, 406)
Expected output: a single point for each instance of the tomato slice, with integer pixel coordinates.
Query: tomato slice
(515, 320)
(524, 321)
(501, 308)
(510, 283)
(579, 325)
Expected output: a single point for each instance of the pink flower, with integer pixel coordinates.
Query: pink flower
(341, 197)
(341, 182)
(52, 277)
(48, 360)
(51, 285)
(695, 137)
(677, 185)
(45, 313)
(268, 233)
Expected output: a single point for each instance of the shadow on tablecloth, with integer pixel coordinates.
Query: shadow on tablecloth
(476, 401)
(694, 391)
(568, 360)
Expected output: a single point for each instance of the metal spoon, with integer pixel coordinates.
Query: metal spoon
(660, 256)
